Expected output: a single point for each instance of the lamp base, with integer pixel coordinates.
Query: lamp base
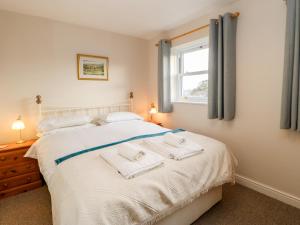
(20, 141)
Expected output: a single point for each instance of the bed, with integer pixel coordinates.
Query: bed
(85, 189)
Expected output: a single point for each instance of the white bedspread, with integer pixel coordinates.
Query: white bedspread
(86, 190)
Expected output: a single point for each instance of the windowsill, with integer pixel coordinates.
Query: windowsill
(190, 102)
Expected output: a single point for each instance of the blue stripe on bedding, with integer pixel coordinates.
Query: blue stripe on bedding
(66, 157)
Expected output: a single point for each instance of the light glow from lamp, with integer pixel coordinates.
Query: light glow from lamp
(152, 111)
(18, 125)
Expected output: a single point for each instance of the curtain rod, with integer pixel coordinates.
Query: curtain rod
(236, 14)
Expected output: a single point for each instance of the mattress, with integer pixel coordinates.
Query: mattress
(85, 189)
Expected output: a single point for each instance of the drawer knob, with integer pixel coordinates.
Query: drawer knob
(13, 171)
(29, 179)
(5, 185)
(2, 158)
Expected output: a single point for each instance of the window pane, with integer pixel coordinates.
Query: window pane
(195, 86)
(195, 61)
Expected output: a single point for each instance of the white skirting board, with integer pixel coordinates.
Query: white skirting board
(268, 190)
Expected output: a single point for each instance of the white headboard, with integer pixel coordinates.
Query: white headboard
(94, 111)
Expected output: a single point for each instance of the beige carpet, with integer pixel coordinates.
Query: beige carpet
(240, 206)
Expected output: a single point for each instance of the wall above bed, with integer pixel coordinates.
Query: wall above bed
(38, 56)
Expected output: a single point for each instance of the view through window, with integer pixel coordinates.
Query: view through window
(191, 70)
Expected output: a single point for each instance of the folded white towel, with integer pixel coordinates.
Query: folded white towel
(187, 150)
(174, 140)
(130, 169)
(131, 151)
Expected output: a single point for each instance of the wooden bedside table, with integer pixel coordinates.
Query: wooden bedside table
(157, 123)
(17, 173)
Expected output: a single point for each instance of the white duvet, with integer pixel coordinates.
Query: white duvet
(86, 190)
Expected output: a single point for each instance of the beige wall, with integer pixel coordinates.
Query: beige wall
(266, 153)
(38, 56)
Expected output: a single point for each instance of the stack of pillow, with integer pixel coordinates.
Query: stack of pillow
(51, 125)
(118, 117)
(56, 124)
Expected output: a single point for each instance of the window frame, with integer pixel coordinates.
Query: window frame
(178, 54)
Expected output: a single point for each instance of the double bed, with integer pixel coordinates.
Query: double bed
(86, 190)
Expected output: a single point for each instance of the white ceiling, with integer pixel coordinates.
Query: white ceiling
(140, 18)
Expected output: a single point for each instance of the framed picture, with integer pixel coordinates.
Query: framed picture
(91, 67)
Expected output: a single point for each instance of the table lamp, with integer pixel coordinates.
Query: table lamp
(152, 111)
(18, 125)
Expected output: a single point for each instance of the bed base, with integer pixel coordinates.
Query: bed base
(193, 211)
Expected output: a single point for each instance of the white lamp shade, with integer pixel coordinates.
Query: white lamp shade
(153, 110)
(18, 125)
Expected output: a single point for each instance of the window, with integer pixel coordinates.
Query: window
(189, 70)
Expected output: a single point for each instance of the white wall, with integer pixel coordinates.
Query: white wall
(266, 153)
(38, 56)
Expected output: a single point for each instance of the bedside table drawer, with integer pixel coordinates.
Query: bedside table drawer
(20, 189)
(19, 180)
(9, 158)
(15, 170)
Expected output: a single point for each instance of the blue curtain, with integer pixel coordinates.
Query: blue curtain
(290, 102)
(222, 67)
(164, 77)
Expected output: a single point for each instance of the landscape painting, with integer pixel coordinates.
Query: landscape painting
(92, 67)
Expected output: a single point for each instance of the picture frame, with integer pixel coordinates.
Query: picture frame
(92, 67)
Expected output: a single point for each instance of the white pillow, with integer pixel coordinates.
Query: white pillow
(32, 151)
(122, 116)
(56, 122)
(58, 130)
